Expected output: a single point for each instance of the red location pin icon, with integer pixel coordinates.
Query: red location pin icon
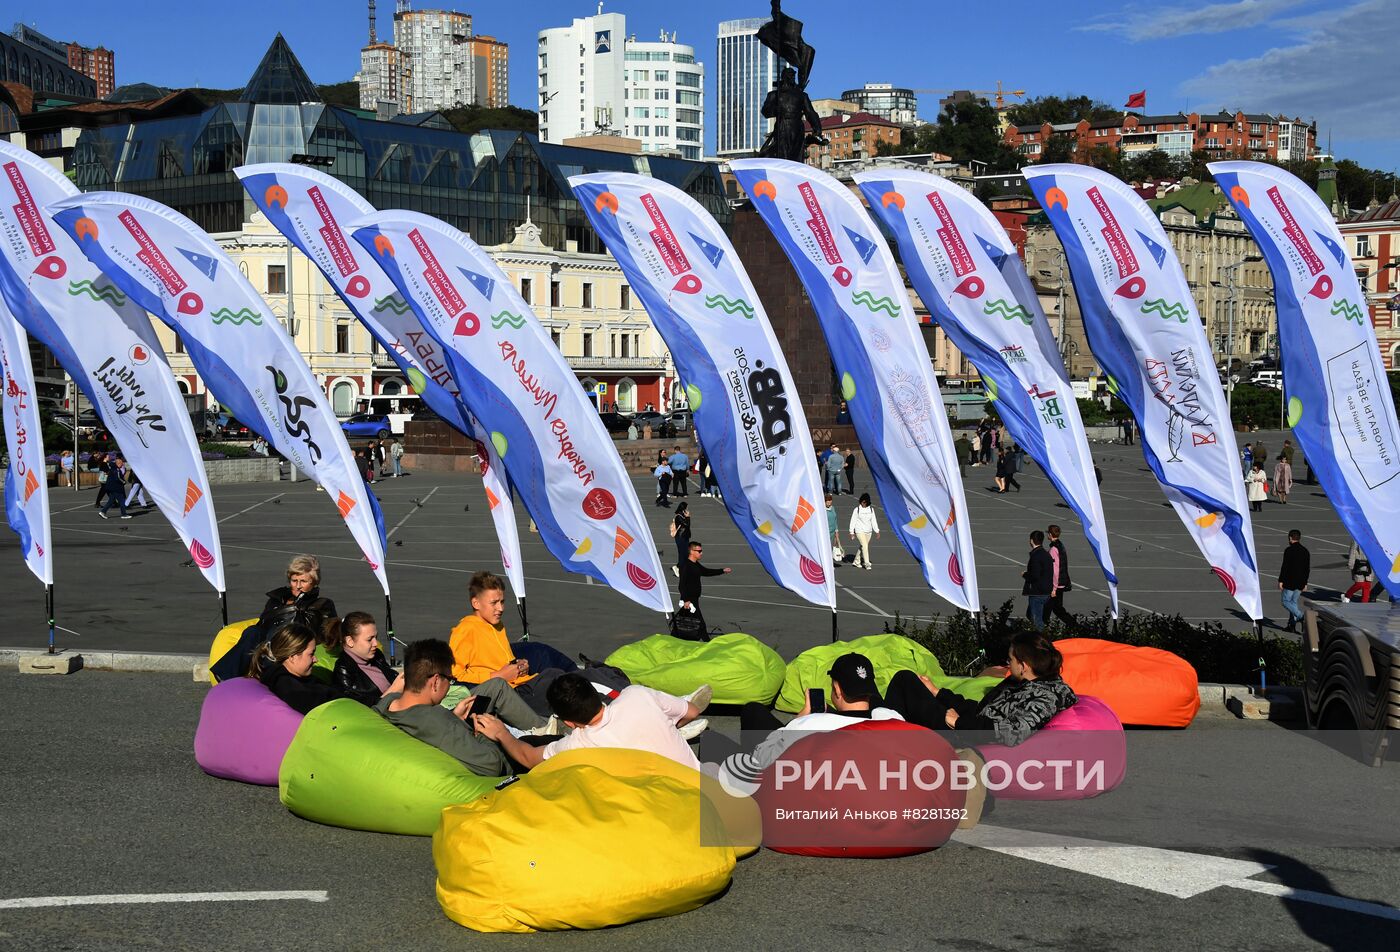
(468, 325)
(689, 284)
(842, 274)
(52, 267)
(358, 286)
(190, 303)
(971, 287)
(1132, 288)
(1322, 288)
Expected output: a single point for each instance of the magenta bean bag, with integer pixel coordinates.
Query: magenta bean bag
(244, 731)
(1086, 739)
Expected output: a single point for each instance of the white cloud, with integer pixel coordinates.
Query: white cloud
(1337, 73)
(1165, 23)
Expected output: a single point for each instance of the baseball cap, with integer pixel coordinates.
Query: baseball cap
(856, 677)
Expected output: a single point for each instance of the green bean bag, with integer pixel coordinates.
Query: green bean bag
(889, 653)
(739, 667)
(349, 767)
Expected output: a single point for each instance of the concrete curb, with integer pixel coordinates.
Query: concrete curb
(144, 661)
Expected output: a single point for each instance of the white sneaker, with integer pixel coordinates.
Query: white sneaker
(103, 515)
(552, 727)
(694, 729)
(1345, 599)
(700, 697)
(676, 571)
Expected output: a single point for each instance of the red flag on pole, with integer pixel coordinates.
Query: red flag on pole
(1137, 100)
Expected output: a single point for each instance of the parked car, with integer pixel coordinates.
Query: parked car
(615, 423)
(88, 421)
(231, 429)
(648, 418)
(680, 420)
(1268, 378)
(205, 423)
(372, 426)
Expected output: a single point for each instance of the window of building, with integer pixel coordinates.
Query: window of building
(555, 294)
(525, 290)
(588, 343)
(612, 345)
(587, 294)
(641, 75)
(663, 112)
(688, 79)
(342, 338)
(342, 398)
(557, 338)
(641, 112)
(688, 115)
(626, 345)
(544, 60)
(277, 279)
(641, 130)
(660, 94)
(179, 344)
(663, 76)
(663, 132)
(1363, 246)
(687, 98)
(626, 298)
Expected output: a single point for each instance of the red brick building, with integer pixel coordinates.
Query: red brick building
(100, 64)
(1223, 135)
(1373, 241)
(851, 135)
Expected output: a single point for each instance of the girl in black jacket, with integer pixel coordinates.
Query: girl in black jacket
(283, 664)
(361, 670)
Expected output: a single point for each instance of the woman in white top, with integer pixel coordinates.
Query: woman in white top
(862, 527)
(1254, 485)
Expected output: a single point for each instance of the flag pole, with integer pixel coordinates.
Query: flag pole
(389, 624)
(223, 607)
(835, 632)
(524, 620)
(48, 600)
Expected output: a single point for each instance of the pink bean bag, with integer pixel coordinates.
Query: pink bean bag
(244, 731)
(1081, 753)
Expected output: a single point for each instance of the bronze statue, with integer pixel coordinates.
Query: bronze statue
(788, 104)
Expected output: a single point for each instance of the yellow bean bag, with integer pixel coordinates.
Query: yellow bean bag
(226, 638)
(589, 839)
(739, 667)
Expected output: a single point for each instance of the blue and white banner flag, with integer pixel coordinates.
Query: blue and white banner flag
(1143, 327)
(1339, 399)
(107, 344)
(559, 457)
(166, 264)
(968, 274)
(886, 374)
(26, 476)
(311, 208)
(741, 393)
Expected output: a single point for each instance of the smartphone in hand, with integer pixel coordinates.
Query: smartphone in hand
(816, 700)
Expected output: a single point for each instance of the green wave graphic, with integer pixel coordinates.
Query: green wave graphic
(729, 305)
(1008, 311)
(1352, 312)
(873, 303)
(506, 317)
(98, 292)
(244, 316)
(392, 303)
(1166, 309)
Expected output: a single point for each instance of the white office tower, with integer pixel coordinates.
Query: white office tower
(745, 72)
(665, 96)
(441, 64)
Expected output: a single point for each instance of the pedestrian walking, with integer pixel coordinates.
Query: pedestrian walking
(1006, 470)
(680, 531)
(962, 446)
(976, 458)
(1361, 574)
(396, 455)
(862, 527)
(1255, 485)
(135, 490)
(1287, 451)
(1261, 454)
(1283, 479)
(851, 473)
(835, 466)
(97, 463)
(692, 571)
(1293, 577)
(114, 471)
(663, 483)
(1059, 581)
(1128, 431)
(1039, 580)
(381, 457)
(1247, 458)
(680, 466)
(709, 485)
(838, 555)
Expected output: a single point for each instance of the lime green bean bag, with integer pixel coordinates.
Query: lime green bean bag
(739, 667)
(889, 653)
(324, 666)
(349, 767)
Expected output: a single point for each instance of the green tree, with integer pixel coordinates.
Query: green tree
(1058, 148)
(469, 119)
(341, 94)
(969, 132)
(1058, 109)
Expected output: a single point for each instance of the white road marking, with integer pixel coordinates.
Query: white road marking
(251, 508)
(1172, 872)
(120, 899)
(391, 532)
(876, 608)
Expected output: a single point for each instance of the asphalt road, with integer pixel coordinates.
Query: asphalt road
(123, 585)
(103, 797)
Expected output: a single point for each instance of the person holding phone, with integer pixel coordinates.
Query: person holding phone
(417, 711)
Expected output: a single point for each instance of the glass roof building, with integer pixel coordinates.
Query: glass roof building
(479, 183)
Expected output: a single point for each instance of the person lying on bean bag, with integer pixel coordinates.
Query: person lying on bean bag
(283, 664)
(1013, 710)
(415, 707)
(361, 667)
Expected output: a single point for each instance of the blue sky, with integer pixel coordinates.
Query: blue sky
(1312, 58)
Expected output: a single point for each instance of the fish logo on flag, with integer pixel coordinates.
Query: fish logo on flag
(1339, 402)
(26, 495)
(1143, 327)
(967, 272)
(106, 343)
(164, 263)
(886, 375)
(311, 208)
(561, 461)
(741, 393)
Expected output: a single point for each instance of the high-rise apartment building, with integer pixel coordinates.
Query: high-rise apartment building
(491, 68)
(745, 72)
(652, 91)
(900, 106)
(99, 64)
(440, 63)
(383, 75)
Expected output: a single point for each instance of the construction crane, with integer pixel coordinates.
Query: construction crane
(1000, 93)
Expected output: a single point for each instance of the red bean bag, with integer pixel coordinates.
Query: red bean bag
(870, 790)
(1080, 753)
(1144, 686)
(244, 732)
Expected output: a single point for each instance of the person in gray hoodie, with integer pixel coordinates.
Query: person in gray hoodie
(1013, 710)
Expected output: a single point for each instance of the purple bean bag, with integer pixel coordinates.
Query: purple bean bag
(1080, 753)
(244, 731)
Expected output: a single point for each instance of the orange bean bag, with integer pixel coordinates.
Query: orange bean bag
(1143, 686)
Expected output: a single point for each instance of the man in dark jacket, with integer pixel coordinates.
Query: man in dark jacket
(115, 483)
(1060, 582)
(691, 574)
(1040, 580)
(1293, 577)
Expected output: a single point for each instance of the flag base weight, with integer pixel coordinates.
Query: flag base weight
(60, 662)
